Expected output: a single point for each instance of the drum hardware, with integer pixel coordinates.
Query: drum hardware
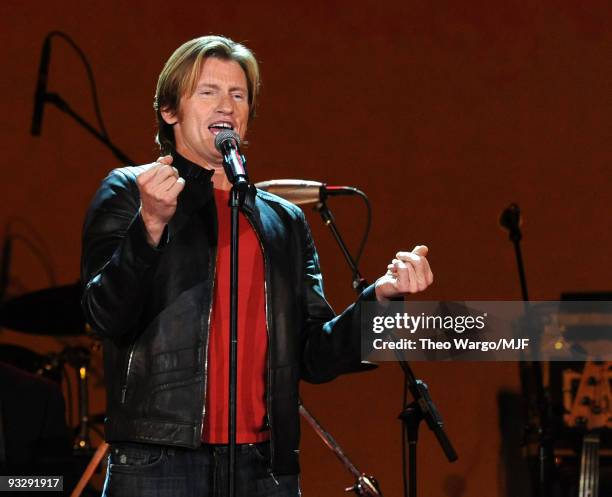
(54, 311)
(365, 486)
(101, 451)
(48, 366)
(79, 359)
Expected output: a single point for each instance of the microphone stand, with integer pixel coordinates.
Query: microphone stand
(511, 220)
(233, 364)
(42, 97)
(239, 188)
(422, 407)
(61, 104)
(359, 283)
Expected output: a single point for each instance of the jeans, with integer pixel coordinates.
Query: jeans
(144, 470)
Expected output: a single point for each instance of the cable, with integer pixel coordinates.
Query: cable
(367, 229)
(92, 83)
(35, 242)
(41, 257)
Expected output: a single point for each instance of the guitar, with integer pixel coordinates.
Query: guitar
(590, 410)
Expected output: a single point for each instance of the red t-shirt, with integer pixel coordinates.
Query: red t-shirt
(252, 337)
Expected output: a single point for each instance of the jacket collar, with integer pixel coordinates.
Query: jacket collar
(198, 191)
(190, 171)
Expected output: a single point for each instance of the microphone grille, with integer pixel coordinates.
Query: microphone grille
(225, 136)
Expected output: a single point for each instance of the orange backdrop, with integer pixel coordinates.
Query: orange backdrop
(442, 112)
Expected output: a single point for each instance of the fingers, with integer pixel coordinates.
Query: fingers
(157, 175)
(162, 165)
(159, 186)
(412, 270)
(165, 159)
(177, 188)
(406, 276)
(167, 183)
(420, 250)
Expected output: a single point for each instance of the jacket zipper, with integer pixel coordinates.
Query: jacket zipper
(127, 373)
(268, 386)
(212, 297)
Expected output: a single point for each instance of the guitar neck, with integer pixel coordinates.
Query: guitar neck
(589, 466)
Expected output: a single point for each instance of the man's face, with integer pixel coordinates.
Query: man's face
(220, 101)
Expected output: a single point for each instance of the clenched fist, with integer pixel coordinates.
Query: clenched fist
(409, 272)
(159, 187)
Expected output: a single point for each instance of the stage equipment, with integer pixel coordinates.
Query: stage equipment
(228, 143)
(590, 411)
(52, 311)
(234, 164)
(365, 486)
(422, 406)
(47, 366)
(41, 87)
(581, 395)
(532, 385)
(99, 454)
(306, 192)
(300, 191)
(42, 97)
(56, 311)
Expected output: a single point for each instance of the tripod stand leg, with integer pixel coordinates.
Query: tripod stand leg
(89, 470)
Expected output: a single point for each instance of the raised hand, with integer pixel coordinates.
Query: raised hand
(159, 187)
(409, 272)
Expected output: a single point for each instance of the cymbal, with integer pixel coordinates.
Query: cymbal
(53, 311)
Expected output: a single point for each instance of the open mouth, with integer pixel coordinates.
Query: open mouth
(216, 128)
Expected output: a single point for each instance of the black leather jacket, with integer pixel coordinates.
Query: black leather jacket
(152, 307)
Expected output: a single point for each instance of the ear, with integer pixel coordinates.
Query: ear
(169, 116)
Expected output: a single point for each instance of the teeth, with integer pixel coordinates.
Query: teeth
(221, 125)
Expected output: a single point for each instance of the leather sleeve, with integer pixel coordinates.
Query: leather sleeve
(117, 263)
(331, 345)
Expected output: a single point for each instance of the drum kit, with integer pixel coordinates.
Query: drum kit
(55, 312)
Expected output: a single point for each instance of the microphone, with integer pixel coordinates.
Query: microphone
(301, 191)
(228, 144)
(41, 88)
(510, 219)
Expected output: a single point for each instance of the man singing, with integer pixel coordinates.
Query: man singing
(156, 267)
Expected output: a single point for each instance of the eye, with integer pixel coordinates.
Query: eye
(238, 96)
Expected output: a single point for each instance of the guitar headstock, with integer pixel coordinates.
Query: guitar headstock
(590, 408)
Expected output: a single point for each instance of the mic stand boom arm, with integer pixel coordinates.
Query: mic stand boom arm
(359, 283)
(61, 104)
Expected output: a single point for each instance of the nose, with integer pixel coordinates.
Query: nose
(225, 104)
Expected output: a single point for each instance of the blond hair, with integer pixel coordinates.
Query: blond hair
(180, 75)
